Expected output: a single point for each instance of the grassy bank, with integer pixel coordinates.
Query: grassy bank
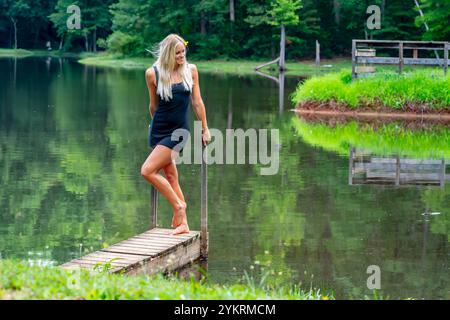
(22, 53)
(306, 67)
(15, 53)
(19, 281)
(430, 142)
(418, 91)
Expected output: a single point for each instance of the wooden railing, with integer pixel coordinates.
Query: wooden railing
(364, 51)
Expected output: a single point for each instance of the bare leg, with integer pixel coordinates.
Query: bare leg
(160, 157)
(171, 173)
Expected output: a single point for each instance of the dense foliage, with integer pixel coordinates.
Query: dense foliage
(216, 28)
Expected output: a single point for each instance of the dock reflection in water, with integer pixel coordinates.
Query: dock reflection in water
(367, 168)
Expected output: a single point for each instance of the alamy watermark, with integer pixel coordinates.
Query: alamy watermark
(374, 20)
(374, 280)
(74, 20)
(230, 148)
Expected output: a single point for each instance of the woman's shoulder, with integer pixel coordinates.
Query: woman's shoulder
(193, 67)
(150, 71)
(150, 74)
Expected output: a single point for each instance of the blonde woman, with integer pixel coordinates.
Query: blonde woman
(172, 82)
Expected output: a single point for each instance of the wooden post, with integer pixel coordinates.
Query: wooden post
(204, 205)
(350, 166)
(353, 59)
(317, 53)
(415, 53)
(447, 47)
(397, 172)
(400, 60)
(442, 175)
(282, 48)
(153, 203)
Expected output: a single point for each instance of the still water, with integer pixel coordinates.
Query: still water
(73, 138)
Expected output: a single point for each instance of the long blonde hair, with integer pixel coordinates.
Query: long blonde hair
(166, 62)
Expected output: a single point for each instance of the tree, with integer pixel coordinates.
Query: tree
(17, 10)
(437, 16)
(283, 13)
(95, 19)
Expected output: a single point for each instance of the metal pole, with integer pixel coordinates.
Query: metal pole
(204, 205)
(153, 204)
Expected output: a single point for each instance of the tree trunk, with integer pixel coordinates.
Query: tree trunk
(203, 23)
(282, 49)
(94, 40)
(86, 42)
(61, 43)
(15, 32)
(337, 11)
(232, 10)
(232, 19)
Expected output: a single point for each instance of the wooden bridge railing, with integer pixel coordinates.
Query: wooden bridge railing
(364, 51)
(204, 241)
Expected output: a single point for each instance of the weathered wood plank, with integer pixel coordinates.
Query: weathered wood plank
(170, 260)
(365, 53)
(100, 260)
(168, 232)
(146, 244)
(406, 61)
(158, 239)
(151, 251)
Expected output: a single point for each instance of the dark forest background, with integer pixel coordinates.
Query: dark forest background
(215, 28)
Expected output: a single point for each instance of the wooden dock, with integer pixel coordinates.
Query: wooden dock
(155, 250)
(150, 252)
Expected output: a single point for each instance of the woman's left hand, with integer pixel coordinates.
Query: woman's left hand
(206, 136)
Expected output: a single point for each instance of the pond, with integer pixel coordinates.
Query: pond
(73, 138)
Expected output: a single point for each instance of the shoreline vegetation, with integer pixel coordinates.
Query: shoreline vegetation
(241, 67)
(19, 281)
(422, 91)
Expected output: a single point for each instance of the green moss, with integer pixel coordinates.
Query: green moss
(427, 88)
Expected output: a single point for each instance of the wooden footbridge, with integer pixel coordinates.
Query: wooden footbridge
(155, 250)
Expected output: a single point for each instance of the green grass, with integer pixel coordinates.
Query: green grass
(388, 139)
(21, 53)
(20, 281)
(243, 67)
(15, 53)
(429, 89)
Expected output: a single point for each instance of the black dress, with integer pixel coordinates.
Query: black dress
(170, 116)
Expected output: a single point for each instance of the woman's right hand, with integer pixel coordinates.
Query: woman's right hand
(206, 136)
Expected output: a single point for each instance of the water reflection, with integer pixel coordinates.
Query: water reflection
(72, 142)
(280, 82)
(368, 168)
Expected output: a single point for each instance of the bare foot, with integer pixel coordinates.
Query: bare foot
(178, 215)
(182, 228)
